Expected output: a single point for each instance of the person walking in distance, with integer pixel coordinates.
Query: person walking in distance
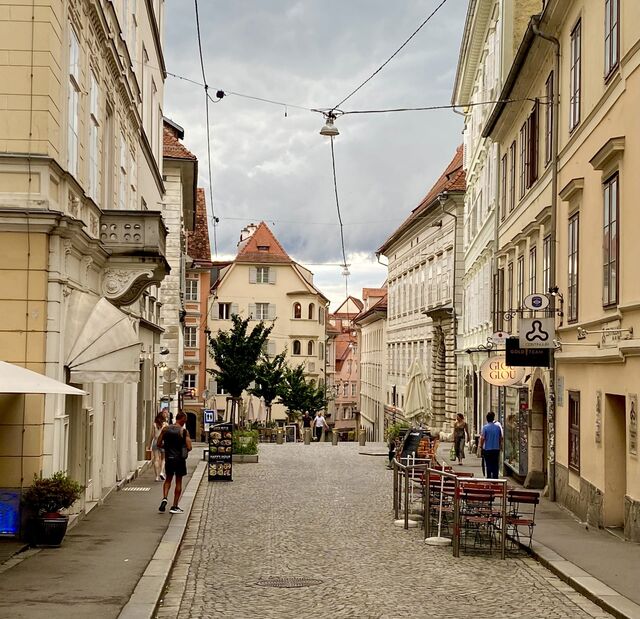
(319, 424)
(491, 444)
(157, 454)
(460, 436)
(175, 441)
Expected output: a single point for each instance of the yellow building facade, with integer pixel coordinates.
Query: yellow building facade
(566, 225)
(81, 234)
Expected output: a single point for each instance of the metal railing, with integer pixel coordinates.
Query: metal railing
(403, 474)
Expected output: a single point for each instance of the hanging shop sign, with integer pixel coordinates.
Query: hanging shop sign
(537, 332)
(518, 356)
(499, 337)
(220, 452)
(495, 371)
(536, 302)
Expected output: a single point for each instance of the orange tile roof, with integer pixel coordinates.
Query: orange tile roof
(373, 292)
(172, 148)
(272, 250)
(198, 246)
(451, 180)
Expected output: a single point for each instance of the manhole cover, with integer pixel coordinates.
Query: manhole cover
(136, 489)
(288, 583)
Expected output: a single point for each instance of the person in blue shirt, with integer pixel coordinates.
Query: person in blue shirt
(491, 444)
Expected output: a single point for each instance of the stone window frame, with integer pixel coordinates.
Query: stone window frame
(573, 434)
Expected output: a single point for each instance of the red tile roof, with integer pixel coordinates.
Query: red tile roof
(373, 292)
(198, 246)
(172, 148)
(451, 180)
(263, 247)
(378, 306)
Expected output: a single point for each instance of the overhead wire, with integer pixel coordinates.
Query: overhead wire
(335, 187)
(206, 101)
(386, 62)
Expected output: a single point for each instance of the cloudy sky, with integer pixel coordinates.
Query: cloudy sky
(269, 162)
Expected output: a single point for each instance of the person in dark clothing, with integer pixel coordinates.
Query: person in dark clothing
(175, 441)
(306, 423)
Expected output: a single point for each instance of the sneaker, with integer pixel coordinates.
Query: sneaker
(163, 505)
(176, 510)
(162, 477)
(157, 479)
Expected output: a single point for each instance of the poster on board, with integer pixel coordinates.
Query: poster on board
(220, 452)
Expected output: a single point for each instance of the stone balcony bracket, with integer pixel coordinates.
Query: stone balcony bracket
(136, 242)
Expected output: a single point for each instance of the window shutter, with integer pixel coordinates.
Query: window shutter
(253, 275)
(252, 311)
(272, 275)
(234, 309)
(271, 348)
(272, 311)
(215, 311)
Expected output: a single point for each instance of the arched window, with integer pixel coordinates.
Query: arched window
(296, 347)
(310, 348)
(297, 310)
(312, 309)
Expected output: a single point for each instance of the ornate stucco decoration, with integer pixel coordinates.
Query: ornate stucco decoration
(124, 286)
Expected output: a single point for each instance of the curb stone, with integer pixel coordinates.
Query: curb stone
(593, 589)
(148, 591)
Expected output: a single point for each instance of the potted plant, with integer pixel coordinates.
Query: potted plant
(44, 499)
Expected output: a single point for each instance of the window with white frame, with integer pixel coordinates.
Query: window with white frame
(122, 187)
(191, 290)
(73, 123)
(224, 311)
(611, 35)
(190, 381)
(262, 275)
(575, 76)
(94, 124)
(353, 389)
(262, 311)
(190, 337)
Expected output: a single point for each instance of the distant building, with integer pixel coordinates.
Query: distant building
(371, 324)
(264, 283)
(425, 257)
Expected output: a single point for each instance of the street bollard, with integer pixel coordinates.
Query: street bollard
(279, 436)
(334, 438)
(307, 436)
(362, 438)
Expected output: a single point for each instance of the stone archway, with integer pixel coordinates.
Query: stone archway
(537, 438)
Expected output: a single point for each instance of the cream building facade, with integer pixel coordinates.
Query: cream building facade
(579, 241)
(425, 262)
(264, 283)
(371, 323)
(81, 234)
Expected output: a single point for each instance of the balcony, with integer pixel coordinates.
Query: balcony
(136, 242)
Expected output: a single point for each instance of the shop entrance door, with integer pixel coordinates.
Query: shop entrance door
(537, 440)
(615, 457)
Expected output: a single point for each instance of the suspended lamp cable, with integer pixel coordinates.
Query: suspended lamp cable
(206, 103)
(386, 62)
(335, 188)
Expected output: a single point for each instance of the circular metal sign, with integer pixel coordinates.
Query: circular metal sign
(496, 372)
(536, 302)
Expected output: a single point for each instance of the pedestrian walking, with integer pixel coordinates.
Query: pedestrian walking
(177, 444)
(491, 444)
(306, 423)
(319, 424)
(460, 436)
(157, 454)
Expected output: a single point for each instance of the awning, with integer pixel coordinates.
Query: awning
(102, 343)
(14, 379)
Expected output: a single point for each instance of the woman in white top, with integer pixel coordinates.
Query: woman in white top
(157, 454)
(319, 424)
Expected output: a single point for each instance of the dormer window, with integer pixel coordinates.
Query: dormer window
(263, 248)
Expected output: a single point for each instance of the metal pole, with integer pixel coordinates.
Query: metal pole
(503, 548)
(426, 505)
(395, 489)
(456, 518)
(406, 498)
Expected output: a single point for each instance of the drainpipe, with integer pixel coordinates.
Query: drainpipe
(551, 413)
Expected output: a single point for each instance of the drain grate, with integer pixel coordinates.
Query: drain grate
(288, 583)
(136, 489)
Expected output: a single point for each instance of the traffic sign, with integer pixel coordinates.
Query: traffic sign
(208, 415)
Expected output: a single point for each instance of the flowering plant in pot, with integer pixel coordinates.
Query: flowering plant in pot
(44, 499)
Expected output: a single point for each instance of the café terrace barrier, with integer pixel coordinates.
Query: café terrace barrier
(471, 508)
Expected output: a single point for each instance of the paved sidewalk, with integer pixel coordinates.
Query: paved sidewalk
(95, 571)
(601, 566)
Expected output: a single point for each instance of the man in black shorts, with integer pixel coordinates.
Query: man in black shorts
(175, 441)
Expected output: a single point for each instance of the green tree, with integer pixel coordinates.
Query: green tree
(270, 373)
(299, 395)
(236, 355)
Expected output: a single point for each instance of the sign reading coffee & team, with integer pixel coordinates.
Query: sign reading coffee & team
(496, 372)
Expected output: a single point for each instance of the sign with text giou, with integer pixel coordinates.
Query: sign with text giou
(496, 372)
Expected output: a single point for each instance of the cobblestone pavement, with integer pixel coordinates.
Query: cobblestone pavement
(324, 512)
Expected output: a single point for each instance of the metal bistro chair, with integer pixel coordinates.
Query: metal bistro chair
(448, 493)
(477, 517)
(521, 514)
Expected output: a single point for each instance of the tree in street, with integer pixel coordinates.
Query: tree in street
(299, 394)
(270, 373)
(236, 355)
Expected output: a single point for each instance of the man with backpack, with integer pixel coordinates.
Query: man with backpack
(175, 441)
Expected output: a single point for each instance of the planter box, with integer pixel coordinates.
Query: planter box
(244, 458)
(47, 531)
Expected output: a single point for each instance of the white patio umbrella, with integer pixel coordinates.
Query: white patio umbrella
(262, 411)
(251, 415)
(416, 400)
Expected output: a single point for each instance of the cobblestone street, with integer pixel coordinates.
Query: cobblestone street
(324, 512)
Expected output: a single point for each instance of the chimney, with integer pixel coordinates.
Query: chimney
(245, 234)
